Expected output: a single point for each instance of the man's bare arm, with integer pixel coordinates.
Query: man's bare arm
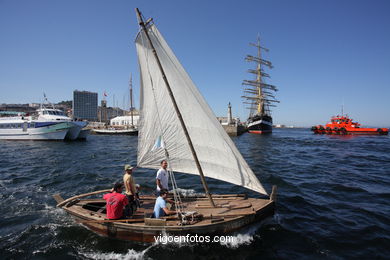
(158, 182)
(169, 212)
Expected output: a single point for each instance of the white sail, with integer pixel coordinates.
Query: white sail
(160, 127)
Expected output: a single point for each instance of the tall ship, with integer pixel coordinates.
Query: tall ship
(259, 95)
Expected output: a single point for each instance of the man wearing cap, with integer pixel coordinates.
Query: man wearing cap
(115, 202)
(131, 190)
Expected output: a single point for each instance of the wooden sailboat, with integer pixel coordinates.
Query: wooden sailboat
(177, 125)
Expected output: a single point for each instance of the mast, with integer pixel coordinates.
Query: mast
(205, 186)
(113, 104)
(260, 93)
(260, 105)
(131, 99)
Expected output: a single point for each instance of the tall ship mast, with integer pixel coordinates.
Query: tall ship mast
(259, 95)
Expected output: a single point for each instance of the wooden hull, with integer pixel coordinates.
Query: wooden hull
(232, 213)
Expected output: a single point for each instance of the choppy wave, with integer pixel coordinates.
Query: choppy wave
(129, 255)
(333, 198)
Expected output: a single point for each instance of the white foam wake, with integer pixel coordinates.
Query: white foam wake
(245, 237)
(130, 255)
(188, 192)
(238, 240)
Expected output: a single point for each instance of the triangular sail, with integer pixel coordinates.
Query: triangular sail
(217, 153)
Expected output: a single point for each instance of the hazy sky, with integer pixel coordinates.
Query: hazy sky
(325, 53)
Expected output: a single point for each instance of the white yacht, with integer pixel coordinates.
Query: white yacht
(28, 128)
(57, 115)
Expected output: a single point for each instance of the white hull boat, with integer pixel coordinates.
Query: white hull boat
(57, 115)
(20, 129)
(132, 131)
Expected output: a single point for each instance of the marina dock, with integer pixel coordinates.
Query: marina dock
(234, 130)
(232, 125)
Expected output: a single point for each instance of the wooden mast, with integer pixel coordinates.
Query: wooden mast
(131, 100)
(205, 186)
(260, 105)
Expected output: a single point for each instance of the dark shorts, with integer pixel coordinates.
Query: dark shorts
(130, 198)
(131, 207)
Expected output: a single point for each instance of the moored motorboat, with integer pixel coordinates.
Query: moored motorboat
(57, 115)
(343, 125)
(28, 128)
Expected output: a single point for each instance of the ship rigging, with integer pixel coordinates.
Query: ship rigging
(259, 95)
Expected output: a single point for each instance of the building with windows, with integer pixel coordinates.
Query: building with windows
(85, 105)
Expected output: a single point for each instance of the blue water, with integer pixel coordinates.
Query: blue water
(333, 198)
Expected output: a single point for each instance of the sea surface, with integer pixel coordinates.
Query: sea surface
(333, 198)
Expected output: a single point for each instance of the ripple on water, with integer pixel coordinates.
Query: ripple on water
(333, 198)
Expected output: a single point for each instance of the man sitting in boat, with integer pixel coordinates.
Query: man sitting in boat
(160, 208)
(131, 191)
(115, 202)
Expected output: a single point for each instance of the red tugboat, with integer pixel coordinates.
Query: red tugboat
(343, 125)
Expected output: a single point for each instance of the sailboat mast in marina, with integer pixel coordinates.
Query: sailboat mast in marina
(259, 94)
(131, 101)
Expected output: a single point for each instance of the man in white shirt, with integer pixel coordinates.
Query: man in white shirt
(162, 180)
(162, 177)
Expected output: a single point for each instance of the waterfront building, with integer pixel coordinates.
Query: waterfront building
(124, 121)
(105, 114)
(25, 108)
(85, 105)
